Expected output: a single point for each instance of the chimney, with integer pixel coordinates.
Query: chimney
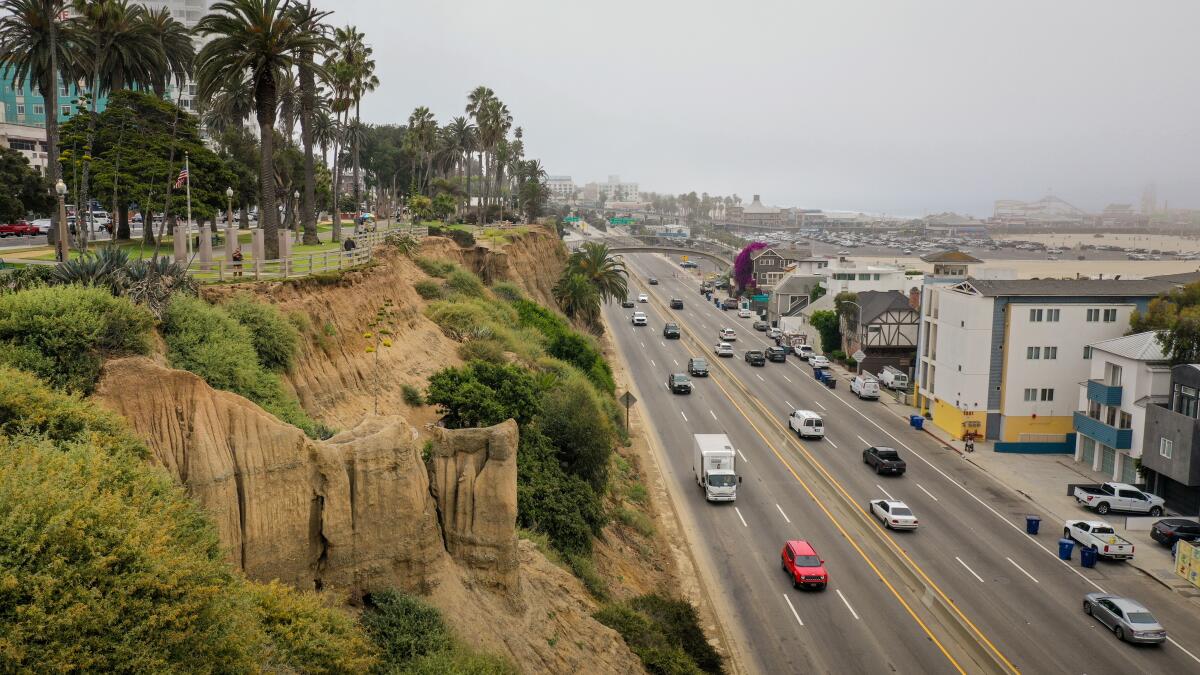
(914, 298)
(756, 199)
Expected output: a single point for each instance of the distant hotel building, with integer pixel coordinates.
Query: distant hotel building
(755, 215)
(562, 188)
(612, 191)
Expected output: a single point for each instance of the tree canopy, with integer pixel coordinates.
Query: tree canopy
(25, 191)
(1177, 316)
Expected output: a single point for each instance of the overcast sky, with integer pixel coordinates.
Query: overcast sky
(893, 106)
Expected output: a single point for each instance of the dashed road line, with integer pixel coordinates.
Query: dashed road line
(787, 378)
(863, 440)
(789, 602)
(759, 377)
(1014, 564)
(739, 512)
(742, 456)
(675, 362)
(684, 416)
(819, 404)
(885, 492)
(789, 520)
(652, 363)
(710, 412)
(847, 603)
(831, 443)
(789, 405)
(927, 492)
(960, 562)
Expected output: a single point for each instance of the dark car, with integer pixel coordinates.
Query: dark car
(676, 303)
(729, 303)
(761, 325)
(688, 264)
(698, 367)
(1170, 530)
(627, 303)
(778, 354)
(755, 357)
(671, 331)
(679, 383)
(653, 281)
(885, 460)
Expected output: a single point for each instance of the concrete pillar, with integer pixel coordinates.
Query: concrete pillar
(180, 240)
(206, 255)
(285, 244)
(231, 240)
(258, 245)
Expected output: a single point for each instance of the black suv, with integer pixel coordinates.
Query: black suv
(698, 367)
(755, 357)
(776, 354)
(627, 303)
(653, 281)
(679, 383)
(676, 303)
(671, 331)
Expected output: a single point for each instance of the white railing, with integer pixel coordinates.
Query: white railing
(296, 265)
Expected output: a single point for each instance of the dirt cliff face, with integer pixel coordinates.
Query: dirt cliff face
(532, 261)
(358, 512)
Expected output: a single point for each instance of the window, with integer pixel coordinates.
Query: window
(1185, 402)
(1093, 410)
(1052, 314)
(1111, 418)
(1033, 353)
(39, 109)
(1093, 315)
(1112, 374)
(64, 111)
(20, 108)
(1166, 447)
(875, 277)
(1035, 315)
(1087, 352)
(1110, 315)
(21, 144)
(64, 89)
(1051, 352)
(1125, 421)
(1047, 394)
(1031, 394)
(864, 277)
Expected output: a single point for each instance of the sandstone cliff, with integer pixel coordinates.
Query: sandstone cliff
(358, 512)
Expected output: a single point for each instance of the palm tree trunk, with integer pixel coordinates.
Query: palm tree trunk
(268, 211)
(357, 190)
(84, 212)
(337, 180)
(49, 87)
(482, 191)
(467, 208)
(308, 101)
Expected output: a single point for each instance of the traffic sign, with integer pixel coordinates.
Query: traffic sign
(628, 399)
(571, 219)
(683, 257)
(859, 356)
(620, 221)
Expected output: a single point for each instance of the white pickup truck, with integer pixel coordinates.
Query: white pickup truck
(1101, 536)
(1118, 497)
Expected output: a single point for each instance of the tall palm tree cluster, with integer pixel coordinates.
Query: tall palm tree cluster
(592, 277)
(104, 44)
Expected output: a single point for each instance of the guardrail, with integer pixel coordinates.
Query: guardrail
(294, 266)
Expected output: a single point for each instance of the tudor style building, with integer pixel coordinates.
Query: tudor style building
(887, 332)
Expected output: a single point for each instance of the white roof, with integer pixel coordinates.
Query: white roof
(1139, 347)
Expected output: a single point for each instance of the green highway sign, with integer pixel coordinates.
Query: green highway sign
(571, 219)
(620, 221)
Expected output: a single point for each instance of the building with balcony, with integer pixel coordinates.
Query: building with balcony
(30, 141)
(1171, 440)
(1004, 358)
(771, 264)
(1127, 374)
(846, 276)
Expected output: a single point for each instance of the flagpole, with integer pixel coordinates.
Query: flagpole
(188, 228)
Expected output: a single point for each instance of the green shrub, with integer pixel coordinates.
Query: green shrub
(550, 500)
(635, 520)
(275, 339)
(434, 267)
(508, 291)
(490, 350)
(680, 624)
(404, 628)
(573, 418)
(838, 355)
(470, 318)
(66, 332)
(466, 283)
(481, 394)
(429, 290)
(306, 636)
(25, 278)
(664, 633)
(412, 395)
(582, 352)
(460, 661)
(585, 569)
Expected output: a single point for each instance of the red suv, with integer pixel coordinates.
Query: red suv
(803, 565)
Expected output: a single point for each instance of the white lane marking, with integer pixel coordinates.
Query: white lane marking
(675, 362)
(789, 602)
(789, 520)
(789, 405)
(1172, 641)
(847, 603)
(882, 490)
(643, 344)
(819, 403)
(742, 456)
(863, 440)
(663, 344)
(652, 363)
(1014, 564)
(960, 562)
(739, 512)
(759, 377)
(831, 443)
(927, 492)
(787, 378)
(713, 414)
(684, 416)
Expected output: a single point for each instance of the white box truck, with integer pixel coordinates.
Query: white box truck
(713, 462)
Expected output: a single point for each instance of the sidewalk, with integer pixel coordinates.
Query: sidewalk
(1043, 479)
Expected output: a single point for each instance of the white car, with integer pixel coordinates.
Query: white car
(727, 335)
(805, 352)
(723, 349)
(773, 333)
(639, 318)
(744, 313)
(642, 297)
(42, 224)
(818, 361)
(895, 514)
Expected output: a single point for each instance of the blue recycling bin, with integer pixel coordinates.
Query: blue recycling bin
(818, 374)
(1087, 556)
(1032, 523)
(917, 422)
(1065, 546)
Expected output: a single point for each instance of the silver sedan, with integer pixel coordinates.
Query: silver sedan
(1127, 619)
(894, 514)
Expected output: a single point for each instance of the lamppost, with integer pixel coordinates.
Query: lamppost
(62, 246)
(229, 207)
(296, 214)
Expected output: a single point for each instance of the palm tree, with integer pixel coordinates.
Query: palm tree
(577, 297)
(228, 108)
(341, 80)
(309, 20)
(39, 48)
(477, 103)
(288, 95)
(323, 130)
(602, 270)
(258, 38)
(493, 129)
(357, 55)
(463, 136)
(421, 139)
(175, 46)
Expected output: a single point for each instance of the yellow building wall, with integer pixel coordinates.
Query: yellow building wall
(957, 422)
(1014, 426)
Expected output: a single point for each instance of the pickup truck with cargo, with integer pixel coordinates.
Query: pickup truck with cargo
(1101, 536)
(1118, 497)
(19, 229)
(714, 465)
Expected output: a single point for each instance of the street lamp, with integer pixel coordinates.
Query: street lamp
(61, 188)
(229, 207)
(296, 216)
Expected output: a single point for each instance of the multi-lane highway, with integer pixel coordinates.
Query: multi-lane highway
(967, 592)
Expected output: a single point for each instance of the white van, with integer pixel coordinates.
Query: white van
(894, 379)
(865, 386)
(807, 424)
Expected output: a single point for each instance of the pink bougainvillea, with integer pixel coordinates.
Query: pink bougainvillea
(743, 266)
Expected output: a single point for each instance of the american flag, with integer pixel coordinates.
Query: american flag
(183, 178)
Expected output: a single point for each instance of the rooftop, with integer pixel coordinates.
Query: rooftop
(954, 256)
(1182, 278)
(1139, 347)
(756, 206)
(1066, 287)
(875, 303)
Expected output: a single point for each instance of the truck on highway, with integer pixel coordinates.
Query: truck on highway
(1107, 497)
(714, 464)
(1099, 535)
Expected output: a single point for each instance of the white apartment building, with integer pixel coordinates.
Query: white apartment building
(844, 275)
(189, 13)
(1004, 358)
(30, 141)
(1127, 374)
(562, 188)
